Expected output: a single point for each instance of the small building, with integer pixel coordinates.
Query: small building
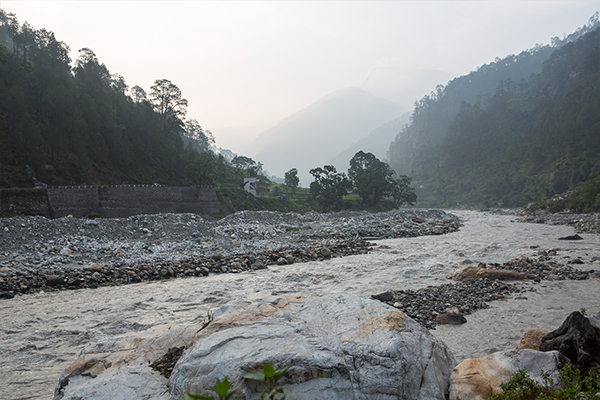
(256, 187)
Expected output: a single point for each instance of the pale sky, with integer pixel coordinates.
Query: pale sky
(243, 66)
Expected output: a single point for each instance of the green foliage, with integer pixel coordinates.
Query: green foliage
(222, 390)
(63, 125)
(269, 375)
(570, 386)
(374, 180)
(291, 178)
(206, 320)
(585, 197)
(329, 187)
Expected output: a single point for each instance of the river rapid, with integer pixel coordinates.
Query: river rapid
(41, 334)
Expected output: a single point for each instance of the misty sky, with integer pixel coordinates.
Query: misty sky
(243, 66)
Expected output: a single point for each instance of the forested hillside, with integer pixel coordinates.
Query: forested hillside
(536, 132)
(64, 124)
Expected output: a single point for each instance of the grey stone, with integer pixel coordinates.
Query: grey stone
(339, 347)
(385, 296)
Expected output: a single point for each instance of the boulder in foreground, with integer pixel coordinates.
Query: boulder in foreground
(338, 347)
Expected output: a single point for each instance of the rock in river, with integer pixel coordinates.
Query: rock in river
(338, 347)
(477, 378)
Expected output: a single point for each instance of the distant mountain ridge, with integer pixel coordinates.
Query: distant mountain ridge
(403, 85)
(376, 142)
(310, 137)
(517, 130)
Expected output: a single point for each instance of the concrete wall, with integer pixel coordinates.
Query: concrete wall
(110, 201)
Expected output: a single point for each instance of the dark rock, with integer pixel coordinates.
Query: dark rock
(572, 237)
(6, 295)
(167, 362)
(450, 318)
(54, 280)
(577, 340)
(385, 296)
(325, 252)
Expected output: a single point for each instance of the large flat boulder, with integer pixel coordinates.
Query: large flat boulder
(476, 378)
(338, 347)
(480, 272)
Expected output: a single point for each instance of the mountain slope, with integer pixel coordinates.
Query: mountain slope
(308, 138)
(377, 142)
(403, 85)
(528, 140)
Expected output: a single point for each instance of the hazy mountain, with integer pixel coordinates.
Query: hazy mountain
(308, 138)
(511, 132)
(377, 142)
(403, 85)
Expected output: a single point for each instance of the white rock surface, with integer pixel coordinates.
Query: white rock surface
(119, 367)
(339, 347)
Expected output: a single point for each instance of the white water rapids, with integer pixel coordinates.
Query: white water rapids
(41, 334)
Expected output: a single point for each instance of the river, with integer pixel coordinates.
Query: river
(41, 334)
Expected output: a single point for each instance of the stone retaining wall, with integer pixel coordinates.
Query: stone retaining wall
(24, 202)
(108, 201)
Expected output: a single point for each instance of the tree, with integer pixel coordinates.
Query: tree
(165, 98)
(402, 193)
(138, 94)
(117, 82)
(89, 71)
(256, 169)
(373, 180)
(243, 162)
(291, 178)
(201, 139)
(329, 186)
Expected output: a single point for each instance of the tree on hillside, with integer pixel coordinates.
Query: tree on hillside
(202, 139)
(89, 72)
(402, 193)
(373, 180)
(243, 162)
(166, 100)
(138, 94)
(329, 186)
(256, 169)
(291, 178)
(117, 82)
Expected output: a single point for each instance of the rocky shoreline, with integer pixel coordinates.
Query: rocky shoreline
(446, 304)
(39, 254)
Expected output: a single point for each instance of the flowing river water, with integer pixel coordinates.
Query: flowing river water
(41, 334)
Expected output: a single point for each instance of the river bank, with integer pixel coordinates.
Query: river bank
(42, 333)
(40, 254)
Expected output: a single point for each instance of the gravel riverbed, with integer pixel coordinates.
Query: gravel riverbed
(39, 254)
